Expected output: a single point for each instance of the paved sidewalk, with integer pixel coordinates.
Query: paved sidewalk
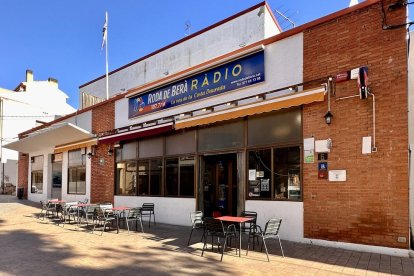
(33, 247)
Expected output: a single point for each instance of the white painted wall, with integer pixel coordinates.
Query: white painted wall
(72, 197)
(83, 120)
(167, 210)
(243, 30)
(283, 67)
(46, 171)
(291, 214)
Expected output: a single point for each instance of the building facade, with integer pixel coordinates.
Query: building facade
(24, 108)
(309, 125)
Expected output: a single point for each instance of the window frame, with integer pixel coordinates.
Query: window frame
(36, 171)
(83, 166)
(179, 176)
(272, 150)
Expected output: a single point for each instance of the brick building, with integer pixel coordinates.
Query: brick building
(244, 126)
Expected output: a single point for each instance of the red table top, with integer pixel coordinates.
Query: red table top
(120, 208)
(82, 204)
(57, 201)
(234, 219)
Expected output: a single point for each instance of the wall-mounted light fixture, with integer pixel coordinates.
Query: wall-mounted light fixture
(328, 118)
(110, 151)
(92, 152)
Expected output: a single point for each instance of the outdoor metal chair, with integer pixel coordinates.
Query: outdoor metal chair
(148, 210)
(102, 216)
(46, 208)
(271, 232)
(249, 227)
(215, 228)
(89, 212)
(68, 210)
(196, 223)
(134, 214)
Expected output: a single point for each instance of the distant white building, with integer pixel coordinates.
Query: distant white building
(31, 103)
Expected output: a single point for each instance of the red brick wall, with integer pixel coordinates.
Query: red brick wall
(103, 165)
(371, 207)
(22, 173)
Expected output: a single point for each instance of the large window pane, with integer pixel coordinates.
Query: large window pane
(287, 173)
(284, 126)
(37, 182)
(260, 174)
(187, 176)
(171, 178)
(181, 143)
(226, 136)
(151, 147)
(37, 174)
(156, 176)
(129, 151)
(76, 172)
(143, 177)
(126, 178)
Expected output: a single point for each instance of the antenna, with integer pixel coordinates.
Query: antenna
(187, 27)
(284, 17)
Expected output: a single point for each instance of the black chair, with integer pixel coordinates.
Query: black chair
(134, 214)
(148, 210)
(271, 232)
(196, 223)
(103, 216)
(215, 228)
(249, 227)
(46, 209)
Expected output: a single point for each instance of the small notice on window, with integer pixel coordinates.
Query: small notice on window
(252, 175)
(254, 188)
(264, 185)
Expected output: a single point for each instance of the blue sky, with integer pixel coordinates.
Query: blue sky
(62, 39)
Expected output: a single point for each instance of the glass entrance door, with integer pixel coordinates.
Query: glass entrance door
(219, 183)
(56, 189)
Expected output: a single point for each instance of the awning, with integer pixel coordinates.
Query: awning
(49, 137)
(135, 134)
(76, 145)
(305, 97)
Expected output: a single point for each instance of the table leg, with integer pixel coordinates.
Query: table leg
(240, 240)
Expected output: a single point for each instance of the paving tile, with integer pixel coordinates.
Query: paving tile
(45, 248)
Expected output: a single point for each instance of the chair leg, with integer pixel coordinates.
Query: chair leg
(103, 229)
(223, 249)
(248, 245)
(267, 254)
(127, 223)
(154, 218)
(204, 246)
(142, 228)
(191, 233)
(150, 220)
(281, 248)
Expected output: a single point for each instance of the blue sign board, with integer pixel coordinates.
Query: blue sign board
(236, 74)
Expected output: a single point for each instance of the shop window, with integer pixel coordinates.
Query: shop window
(128, 151)
(37, 174)
(279, 127)
(151, 147)
(279, 179)
(150, 177)
(287, 173)
(182, 143)
(226, 136)
(260, 174)
(126, 178)
(179, 179)
(76, 172)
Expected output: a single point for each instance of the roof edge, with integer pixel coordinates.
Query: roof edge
(179, 41)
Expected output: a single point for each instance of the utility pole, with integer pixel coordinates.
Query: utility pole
(1, 144)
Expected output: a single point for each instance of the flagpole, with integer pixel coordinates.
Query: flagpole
(106, 54)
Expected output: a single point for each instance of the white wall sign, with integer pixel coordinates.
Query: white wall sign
(323, 145)
(366, 145)
(337, 175)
